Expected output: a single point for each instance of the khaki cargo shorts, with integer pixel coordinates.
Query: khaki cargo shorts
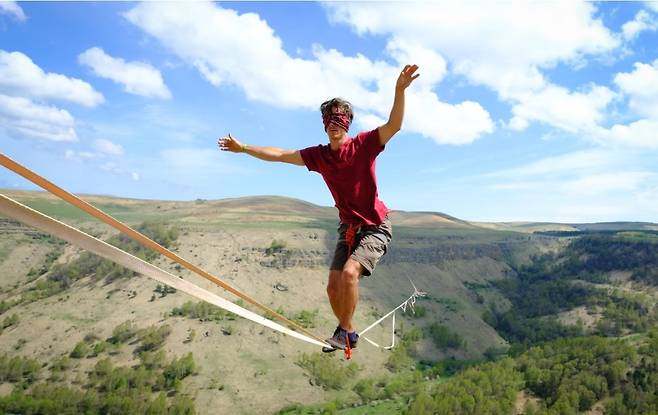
(370, 246)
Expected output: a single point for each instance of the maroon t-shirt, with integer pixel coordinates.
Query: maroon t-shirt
(350, 175)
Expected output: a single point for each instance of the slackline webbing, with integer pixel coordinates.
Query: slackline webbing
(409, 302)
(159, 274)
(31, 217)
(144, 240)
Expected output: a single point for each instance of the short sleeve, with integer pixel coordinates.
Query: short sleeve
(311, 157)
(369, 141)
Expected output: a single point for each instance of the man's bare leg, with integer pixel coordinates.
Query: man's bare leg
(343, 292)
(332, 291)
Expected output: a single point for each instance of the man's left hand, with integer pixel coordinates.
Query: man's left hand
(406, 77)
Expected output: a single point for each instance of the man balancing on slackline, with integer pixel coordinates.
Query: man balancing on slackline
(347, 166)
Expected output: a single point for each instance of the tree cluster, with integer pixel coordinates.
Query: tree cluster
(108, 388)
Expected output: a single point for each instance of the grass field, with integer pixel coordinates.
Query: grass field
(638, 236)
(63, 210)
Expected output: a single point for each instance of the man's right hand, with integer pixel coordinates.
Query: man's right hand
(229, 143)
(264, 153)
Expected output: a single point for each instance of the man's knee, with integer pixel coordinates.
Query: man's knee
(351, 274)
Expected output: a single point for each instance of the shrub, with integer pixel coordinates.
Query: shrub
(181, 405)
(417, 311)
(399, 359)
(325, 371)
(109, 390)
(99, 348)
(62, 364)
(152, 338)
(178, 369)
(163, 290)
(306, 318)
(47, 263)
(80, 350)
(123, 332)
(367, 390)
(444, 338)
(276, 246)
(18, 369)
(152, 360)
(10, 321)
(200, 310)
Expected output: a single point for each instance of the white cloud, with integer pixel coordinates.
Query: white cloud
(20, 76)
(641, 85)
(445, 123)
(13, 9)
(81, 155)
(21, 117)
(504, 46)
(609, 182)
(652, 5)
(642, 134)
(102, 149)
(643, 21)
(424, 57)
(136, 77)
(511, 34)
(596, 184)
(204, 36)
(579, 162)
(99, 160)
(557, 106)
(107, 147)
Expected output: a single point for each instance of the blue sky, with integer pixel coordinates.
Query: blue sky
(540, 111)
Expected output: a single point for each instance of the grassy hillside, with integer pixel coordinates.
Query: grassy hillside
(68, 303)
(582, 322)
(569, 227)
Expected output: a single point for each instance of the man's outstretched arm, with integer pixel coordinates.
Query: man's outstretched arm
(394, 123)
(229, 143)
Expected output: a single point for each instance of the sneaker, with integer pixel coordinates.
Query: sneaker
(354, 339)
(337, 341)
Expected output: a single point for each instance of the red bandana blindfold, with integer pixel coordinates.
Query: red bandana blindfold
(340, 119)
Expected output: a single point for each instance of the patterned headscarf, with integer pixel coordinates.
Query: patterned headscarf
(340, 119)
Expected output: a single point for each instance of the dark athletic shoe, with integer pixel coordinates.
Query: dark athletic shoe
(338, 340)
(328, 349)
(354, 339)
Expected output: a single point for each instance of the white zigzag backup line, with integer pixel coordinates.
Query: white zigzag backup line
(409, 302)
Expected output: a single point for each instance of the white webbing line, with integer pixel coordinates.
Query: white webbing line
(31, 217)
(411, 301)
(392, 337)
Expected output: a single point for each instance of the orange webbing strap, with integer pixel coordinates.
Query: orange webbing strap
(348, 348)
(74, 200)
(350, 237)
